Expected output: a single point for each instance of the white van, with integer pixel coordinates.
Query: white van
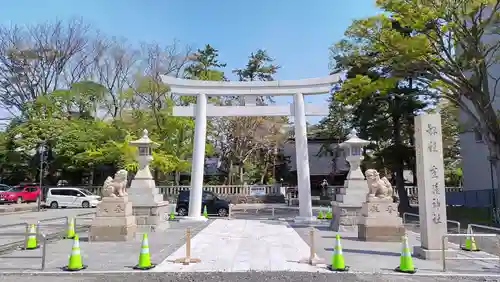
(71, 198)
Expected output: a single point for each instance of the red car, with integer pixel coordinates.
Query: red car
(20, 193)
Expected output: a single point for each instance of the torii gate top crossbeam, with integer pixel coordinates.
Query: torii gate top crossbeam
(320, 85)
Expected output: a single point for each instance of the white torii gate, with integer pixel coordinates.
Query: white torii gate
(251, 90)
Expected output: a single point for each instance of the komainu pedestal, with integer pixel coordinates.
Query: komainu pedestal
(380, 222)
(379, 219)
(114, 220)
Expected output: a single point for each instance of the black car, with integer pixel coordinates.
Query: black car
(210, 200)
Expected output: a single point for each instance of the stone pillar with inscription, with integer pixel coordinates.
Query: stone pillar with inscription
(430, 180)
(379, 220)
(150, 210)
(114, 220)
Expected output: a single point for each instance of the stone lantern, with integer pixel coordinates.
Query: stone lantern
(149, 208)
(350, 198)
(353, 149)
(144, 155)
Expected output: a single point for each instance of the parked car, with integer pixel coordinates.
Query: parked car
(209, 199)
(20, 193)
(4, 187)
(71, 197)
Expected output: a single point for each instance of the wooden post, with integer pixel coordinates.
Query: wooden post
(311, 250)
(311, 260)
(187, 259)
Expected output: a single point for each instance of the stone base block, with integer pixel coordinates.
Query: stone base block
(345, 216)
(114, 207)
(380, 233)
(380, 222)
(306, 220)
(421, 252)
(109, 229)
(153, 217)
(193, 219)
(114, 221)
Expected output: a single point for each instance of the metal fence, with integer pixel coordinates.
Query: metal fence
(470, 198)
(444, 248)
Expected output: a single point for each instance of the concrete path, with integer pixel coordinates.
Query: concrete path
(46, 226)
(252, 245)
(101, 256)
(243, 245)
(383, 257)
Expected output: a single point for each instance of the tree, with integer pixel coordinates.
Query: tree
(204, 65)
(386, 119)
(452, 50)
(114, 66)
(34, 60)
(451, 142)
(259, 67)
(249, 146)
(333, 128)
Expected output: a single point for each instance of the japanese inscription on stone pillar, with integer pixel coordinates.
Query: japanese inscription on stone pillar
(434, 156)
(430, 180)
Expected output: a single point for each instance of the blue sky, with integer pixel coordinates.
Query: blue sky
(296, 33)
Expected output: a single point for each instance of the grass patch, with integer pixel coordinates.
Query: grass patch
(466, 215)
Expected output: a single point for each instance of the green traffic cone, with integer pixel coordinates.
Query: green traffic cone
(31, 243)
(470, 242)
(320, 214)
(70, 231)
(338, 263)
(144, 258)
(75, 259)
(405, 261)
(329, 214)
(205, 214)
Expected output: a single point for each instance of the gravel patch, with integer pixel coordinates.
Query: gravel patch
(242, 276)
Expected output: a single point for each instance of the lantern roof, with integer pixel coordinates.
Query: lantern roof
(354, 140)
(144, 141)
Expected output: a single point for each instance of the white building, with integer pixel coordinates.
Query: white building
(478, 174)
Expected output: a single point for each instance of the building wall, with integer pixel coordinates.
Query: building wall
(476, 166)
(318, 165)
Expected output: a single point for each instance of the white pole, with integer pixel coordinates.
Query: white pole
(302, 158)
(198, 166)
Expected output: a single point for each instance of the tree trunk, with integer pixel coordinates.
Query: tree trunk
(92, 175)
(177, 178)
(398, 167)
(264, 173)
(242, 174)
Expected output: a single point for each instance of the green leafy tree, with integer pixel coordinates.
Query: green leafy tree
(259, 67)
(204, 65)
(448, 51)
(384, 117)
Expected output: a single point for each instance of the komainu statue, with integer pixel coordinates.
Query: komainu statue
(379, 188)
(115, 187)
